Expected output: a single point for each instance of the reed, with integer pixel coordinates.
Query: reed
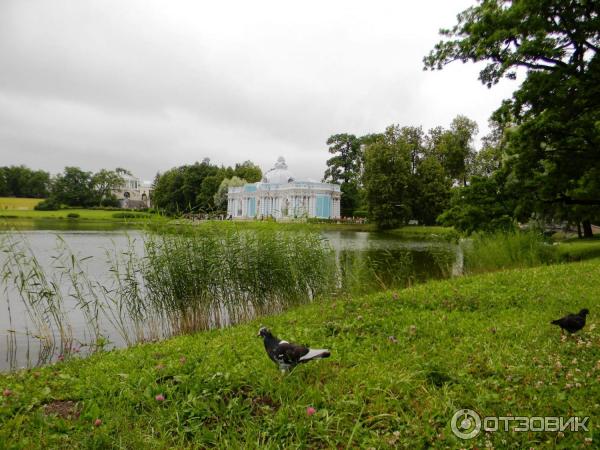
(203, 278)
(502, 250)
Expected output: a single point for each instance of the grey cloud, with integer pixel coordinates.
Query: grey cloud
(149, 84)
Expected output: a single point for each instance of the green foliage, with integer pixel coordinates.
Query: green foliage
(73, 187)
(193, 188)
(220, 197)
(73, 216)
(455, 148)
(345, 169)
(50, 204)
(130, 215)
(402, 363)
(19, 181)
(248, 171)
(387, 178)
(432, 190)
(553, 146)
(104, 182)
(502, 250)
(483, 205)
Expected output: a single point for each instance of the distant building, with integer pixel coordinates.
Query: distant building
(280, 195)
(133, 193)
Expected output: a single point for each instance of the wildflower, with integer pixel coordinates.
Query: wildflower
(97, 422)
(159, 398)
(6, 392)
(310, 411)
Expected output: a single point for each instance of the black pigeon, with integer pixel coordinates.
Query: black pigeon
(572, 322)
(286, 355)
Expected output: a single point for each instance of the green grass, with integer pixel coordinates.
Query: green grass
(14, 203)
(424, 232)
(498, 251)
(402, 363)
(86, 214)
(579, 249)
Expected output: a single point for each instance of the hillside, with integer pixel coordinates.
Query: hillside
(402, 363)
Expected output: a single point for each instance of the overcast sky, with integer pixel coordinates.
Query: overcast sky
(149, 85)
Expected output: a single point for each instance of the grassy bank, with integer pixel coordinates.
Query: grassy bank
(402, 364)
(499, 251)
(84, 214)
(18, 203)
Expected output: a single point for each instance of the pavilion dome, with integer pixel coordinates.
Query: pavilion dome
(278, 174)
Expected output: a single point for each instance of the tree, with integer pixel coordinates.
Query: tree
(73, 187)
(488, 159)
(220, 198)
(248, 171)
(455, 148)
(20, 181)
(432, 191)
(387, 177)
(554, 148)
(345, 168)
(481, 206)
(104, 181)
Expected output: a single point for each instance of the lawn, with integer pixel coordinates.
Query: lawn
(402, 363)
(20, 204)
(26, 218)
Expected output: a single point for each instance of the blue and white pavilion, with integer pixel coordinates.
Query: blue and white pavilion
(280, 195)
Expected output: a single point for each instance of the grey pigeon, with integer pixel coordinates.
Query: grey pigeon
(287, 355)
(572, 322)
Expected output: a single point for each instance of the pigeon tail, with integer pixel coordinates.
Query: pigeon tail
(315, 354)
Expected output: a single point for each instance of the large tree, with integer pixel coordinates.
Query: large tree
(345, 168)
(20, 181)
(553, 147)
(387, 179)
(103, 182)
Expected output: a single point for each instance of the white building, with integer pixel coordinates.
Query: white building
(280, 195)
(133, 193)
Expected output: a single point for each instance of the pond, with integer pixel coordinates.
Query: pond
(366, 261)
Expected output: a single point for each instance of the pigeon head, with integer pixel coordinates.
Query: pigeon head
(264, 332)
(584, 312)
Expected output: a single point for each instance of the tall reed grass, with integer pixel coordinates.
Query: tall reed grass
(203, 278)
(174, 282)
(502, 250)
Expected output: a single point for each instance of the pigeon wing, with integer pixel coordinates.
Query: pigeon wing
(290, 353)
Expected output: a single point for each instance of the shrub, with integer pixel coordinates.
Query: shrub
(130, 215)
(49, 204)
(73, 216)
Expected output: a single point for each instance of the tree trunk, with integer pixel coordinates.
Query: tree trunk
(587, 229)
(579, 235)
